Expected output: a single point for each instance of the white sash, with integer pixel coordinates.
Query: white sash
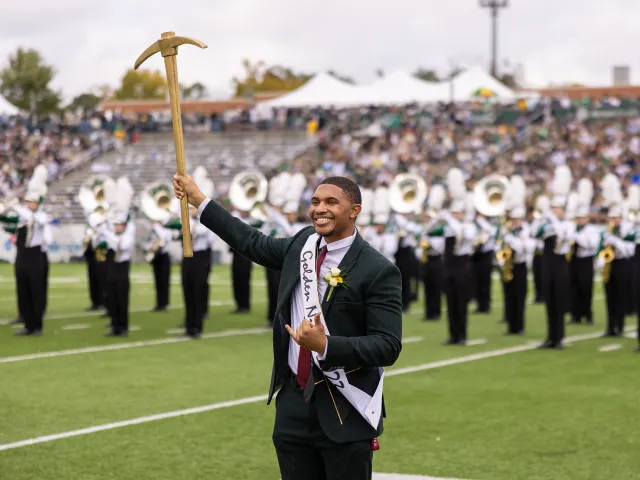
(370, 408)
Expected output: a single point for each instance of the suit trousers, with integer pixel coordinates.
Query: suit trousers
(241, 275)
(515, 298)
(483, 268)
(630, 307)
(195, 273)
(581, 270)
(433, 285)
(106, 267)
(45, 281)
(305, 452)
(616, 296)
(118, 286)
(555, 281)
(162, 275)
(537, 278)
(457, 284)
(29, 270)
(273, 282)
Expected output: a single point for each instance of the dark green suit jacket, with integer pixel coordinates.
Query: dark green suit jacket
(365, 319)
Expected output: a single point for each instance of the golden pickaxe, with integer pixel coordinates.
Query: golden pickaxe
(168, 48)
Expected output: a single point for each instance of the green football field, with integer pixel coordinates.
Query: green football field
(75, 405)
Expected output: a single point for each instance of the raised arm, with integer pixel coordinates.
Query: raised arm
(382, 344)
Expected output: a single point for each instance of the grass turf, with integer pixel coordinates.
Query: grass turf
(526, 415)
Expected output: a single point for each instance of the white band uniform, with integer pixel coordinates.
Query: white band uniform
(370, 408)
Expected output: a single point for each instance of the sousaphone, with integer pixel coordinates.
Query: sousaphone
(489, 195)
(247, 191)
(407, 193)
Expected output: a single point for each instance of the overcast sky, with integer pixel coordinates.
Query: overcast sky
(94, 42)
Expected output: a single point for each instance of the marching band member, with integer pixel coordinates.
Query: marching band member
(483, 263)
(613, 252)
(431, 252)
(515, 246)
(9, 220)
(118, 236)
(195, 277)
(542, 203)
(557, 234)
(160, 260)
(634, 205)
(241, 271)
(96, 272)
(459, 236)
(29, 223)
(405, 259)
(383, 241)
(585, 242)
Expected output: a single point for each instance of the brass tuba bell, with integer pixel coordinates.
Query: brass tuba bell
(489, 195)
(407, 193)
(247, 189)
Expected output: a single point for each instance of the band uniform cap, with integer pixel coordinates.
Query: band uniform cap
(32, 197)
(458, 206)
(381, 219)
(582, 211)
(290, 207)
(120, 217)
(559, 201)
(518, 212)
(615, 210)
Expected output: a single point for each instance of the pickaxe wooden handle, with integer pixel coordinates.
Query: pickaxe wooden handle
(168, 48)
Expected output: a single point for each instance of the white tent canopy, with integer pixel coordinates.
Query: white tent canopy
(398, 88)
(6, 108)
(321, 90)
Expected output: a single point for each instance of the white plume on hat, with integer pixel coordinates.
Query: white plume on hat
(37, 186)
(633, 198)
(201, 177)
(585, 196)
(573, 201)
(612, 194)
(517, 192)
(436, 198)
(121, 205)
(381, 207)
(367, 207)
(561, 186)
(456, 184)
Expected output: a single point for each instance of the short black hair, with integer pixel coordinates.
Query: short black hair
(349, 187)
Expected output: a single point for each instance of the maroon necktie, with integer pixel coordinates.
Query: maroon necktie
(304, 358)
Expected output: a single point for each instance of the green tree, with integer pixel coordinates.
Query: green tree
(25, 82)
(426, 75)
(509, 80)
(86, 101)
(258, 78)
(142, 85)
(195, 91)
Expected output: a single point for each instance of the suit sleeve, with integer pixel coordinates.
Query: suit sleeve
(382, 344)
(244, 239)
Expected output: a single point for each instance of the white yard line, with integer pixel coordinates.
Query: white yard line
(64, 316)
(123, 346)
(477, 341)
(399, 476)
(610, 348)
(260, 398)
(79, 326)
(412, 340)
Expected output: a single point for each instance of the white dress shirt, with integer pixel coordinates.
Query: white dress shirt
(123, 244)
(35, 223)
(335, 253)
(587, 239)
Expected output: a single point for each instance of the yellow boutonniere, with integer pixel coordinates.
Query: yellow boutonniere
(335, 279)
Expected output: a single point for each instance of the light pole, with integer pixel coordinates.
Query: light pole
(494, 7)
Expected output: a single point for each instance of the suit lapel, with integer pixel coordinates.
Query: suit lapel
(345, 267)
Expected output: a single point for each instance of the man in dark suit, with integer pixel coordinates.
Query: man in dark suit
(319, 433)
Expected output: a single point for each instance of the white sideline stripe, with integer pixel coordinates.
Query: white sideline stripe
(78, 326)
(260, 398)
(610, 348)
(122, 346)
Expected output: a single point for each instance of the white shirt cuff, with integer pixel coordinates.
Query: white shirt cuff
(326, 347)
(203, 205)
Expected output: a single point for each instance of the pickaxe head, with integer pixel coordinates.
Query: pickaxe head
(167, 46)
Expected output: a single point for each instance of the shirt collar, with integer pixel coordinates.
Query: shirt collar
(344, 243)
